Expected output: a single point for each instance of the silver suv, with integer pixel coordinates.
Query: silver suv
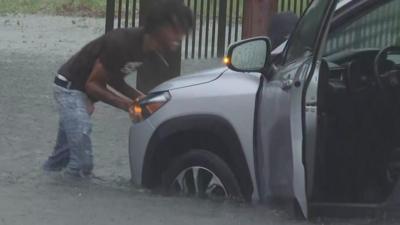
(316, 123)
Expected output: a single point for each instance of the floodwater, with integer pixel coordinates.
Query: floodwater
(32, 47)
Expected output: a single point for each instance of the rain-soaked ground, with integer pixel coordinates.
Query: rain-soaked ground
(31, 50)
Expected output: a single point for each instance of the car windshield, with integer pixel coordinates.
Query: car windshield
(375, 29)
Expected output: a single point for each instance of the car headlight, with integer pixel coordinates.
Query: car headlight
(147, 106)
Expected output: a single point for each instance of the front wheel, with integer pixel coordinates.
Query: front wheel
(203, 174)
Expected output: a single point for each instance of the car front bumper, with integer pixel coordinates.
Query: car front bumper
(139, 138)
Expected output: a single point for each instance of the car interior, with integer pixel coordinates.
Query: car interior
(357, 160)
(358, 144)
(359, 126)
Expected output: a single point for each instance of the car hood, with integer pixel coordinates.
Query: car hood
(190, 80)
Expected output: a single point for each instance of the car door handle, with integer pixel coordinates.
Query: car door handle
(287, 84)
(311, 104)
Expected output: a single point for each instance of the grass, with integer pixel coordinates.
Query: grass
(54, 7)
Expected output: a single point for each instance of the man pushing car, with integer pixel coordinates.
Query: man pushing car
(104, 62)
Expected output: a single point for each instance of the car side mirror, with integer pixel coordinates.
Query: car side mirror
(249, 55)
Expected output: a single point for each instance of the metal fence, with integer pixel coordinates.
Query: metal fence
(296, 6)
(127, 14)
(218, 23)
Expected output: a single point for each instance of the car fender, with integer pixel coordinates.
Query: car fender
(213, 125)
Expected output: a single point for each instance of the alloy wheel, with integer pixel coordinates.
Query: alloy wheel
(200, 182)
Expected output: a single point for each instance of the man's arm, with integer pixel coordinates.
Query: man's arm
(121, 86)
(96, 86)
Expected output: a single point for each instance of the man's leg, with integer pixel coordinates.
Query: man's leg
(60, 156)
(78, 129)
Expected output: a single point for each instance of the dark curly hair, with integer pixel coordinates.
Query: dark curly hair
(168, 13)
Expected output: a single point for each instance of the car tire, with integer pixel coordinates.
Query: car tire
(212, 173)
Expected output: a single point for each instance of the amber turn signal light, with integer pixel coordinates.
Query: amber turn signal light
(150, 104)
(227, 60)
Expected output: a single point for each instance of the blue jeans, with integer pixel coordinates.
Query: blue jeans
(73, 148)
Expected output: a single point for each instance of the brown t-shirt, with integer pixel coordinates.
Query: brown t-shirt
(120, 51)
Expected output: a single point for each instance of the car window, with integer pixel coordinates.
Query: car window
(303, 38)
(279, 49)
(376, 29)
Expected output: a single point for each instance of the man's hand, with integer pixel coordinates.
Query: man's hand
(135, 110)
(138, 99)
(90, 106)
